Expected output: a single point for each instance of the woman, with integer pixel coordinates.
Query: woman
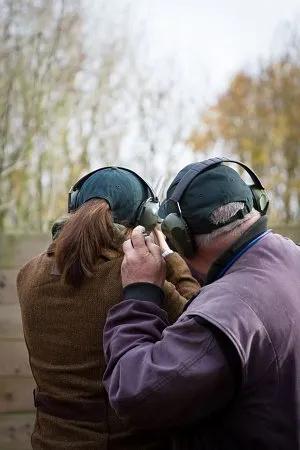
(65, 294)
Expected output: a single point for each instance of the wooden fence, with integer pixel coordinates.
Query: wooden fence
(16, 383)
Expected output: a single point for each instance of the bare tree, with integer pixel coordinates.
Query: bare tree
(76, 95)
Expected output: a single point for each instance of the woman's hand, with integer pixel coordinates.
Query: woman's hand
(160, 239)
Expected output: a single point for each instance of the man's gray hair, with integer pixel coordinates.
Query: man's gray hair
(222, 215)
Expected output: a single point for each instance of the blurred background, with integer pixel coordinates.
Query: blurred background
(147, 84)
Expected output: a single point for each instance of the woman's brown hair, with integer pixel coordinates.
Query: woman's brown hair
(88, 235)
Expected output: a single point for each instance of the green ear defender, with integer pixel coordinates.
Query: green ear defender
(177, 232)
(176, 228)
(148, 214)
(178, 235)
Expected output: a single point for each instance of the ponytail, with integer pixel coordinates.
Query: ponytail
(87, 235)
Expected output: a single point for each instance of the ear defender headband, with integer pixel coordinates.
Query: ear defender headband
(147, 213)
(174, 225)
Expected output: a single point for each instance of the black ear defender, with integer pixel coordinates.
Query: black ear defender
(147, 213)
(174, 225)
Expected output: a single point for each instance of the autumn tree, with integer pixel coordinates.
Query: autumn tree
(257, 120)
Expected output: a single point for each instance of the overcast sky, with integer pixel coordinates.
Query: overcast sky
(211, 39)
(205, 41)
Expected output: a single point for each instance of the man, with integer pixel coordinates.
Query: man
(226, 375)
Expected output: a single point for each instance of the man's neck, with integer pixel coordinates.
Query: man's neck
(204, 258)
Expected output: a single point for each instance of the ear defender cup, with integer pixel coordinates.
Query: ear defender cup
(148, 216)
(260, 199)
(177, 232)
(58, 226)
(72, 198)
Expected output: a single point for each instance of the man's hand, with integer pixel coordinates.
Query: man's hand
(142, 262)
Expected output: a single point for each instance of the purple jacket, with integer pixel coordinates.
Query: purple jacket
(180, 375)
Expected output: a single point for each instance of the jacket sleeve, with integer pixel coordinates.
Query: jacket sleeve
(179, 274)
(173, 302)
(179, 287)
(159, 375)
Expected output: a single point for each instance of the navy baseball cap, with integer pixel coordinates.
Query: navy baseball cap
(122, 189)
(208, 191)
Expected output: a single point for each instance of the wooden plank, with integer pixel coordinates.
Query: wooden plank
(15, 431)
(14, 359)
(8, 289)
(17, 446)
(26, 445)
(16, 250)
(10, 322)
(16, 394)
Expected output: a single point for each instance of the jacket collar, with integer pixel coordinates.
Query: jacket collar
(219, 267)
(249, 238)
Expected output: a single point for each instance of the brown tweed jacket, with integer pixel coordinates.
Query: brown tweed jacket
(63, 331)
